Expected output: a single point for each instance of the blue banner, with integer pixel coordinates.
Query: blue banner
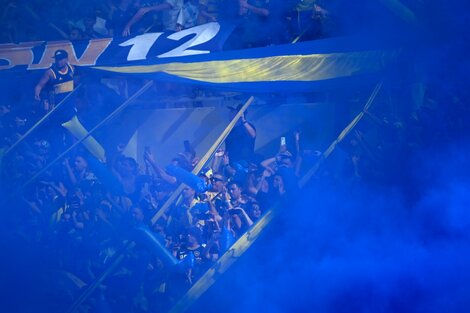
(193, 56)
(202, 39)
(304, 66)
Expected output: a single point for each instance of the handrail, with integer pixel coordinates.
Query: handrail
(203, 160)
(101, 123)
(247, 239)
(311, 172)
(38, 123)
(129, 245)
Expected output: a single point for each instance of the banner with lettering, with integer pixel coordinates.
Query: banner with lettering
(193, 56)
(202, 39)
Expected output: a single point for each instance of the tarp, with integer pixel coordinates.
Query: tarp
(27, 56)
(193, 56)
(304, 66)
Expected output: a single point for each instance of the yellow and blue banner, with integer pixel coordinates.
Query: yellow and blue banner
(38, 55)
(194, 56)
(300, 66)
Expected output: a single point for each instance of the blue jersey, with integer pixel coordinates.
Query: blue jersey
(62, 81)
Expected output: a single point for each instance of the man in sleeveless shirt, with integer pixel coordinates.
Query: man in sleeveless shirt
(59, 77)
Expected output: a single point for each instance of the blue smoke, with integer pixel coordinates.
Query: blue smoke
(403, 247)
(361, 250)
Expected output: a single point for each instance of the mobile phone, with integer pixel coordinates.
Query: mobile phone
(283, 141)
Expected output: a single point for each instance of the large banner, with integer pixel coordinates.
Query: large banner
(193, 56)
(304, 66)
(201, 39)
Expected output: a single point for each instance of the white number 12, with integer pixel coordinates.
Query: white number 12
(204, 33)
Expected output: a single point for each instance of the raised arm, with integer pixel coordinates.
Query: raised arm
(250, 130)
(268, 162)
(203, 12)
(248, 220)
(142, 11)
(258, 11)
(70, 173)
(160, 171)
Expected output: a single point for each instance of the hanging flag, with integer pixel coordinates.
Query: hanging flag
(79, 132)
(193, 56)
(37, 55)
(302, 66)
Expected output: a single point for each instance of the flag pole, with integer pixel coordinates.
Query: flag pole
(89, 290)
(105, 120)
(203, 160)
(129, 245)
(248, 238)
(303, 181)
(38, 123)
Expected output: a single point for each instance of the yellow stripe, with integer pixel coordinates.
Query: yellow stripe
(78, 131)
(278, 68)
(63, 87)
(53, 74)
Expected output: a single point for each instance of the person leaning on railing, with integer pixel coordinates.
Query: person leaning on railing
(60, 77)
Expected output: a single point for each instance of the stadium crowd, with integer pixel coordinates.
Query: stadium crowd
(260, 22)
(80, 212)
